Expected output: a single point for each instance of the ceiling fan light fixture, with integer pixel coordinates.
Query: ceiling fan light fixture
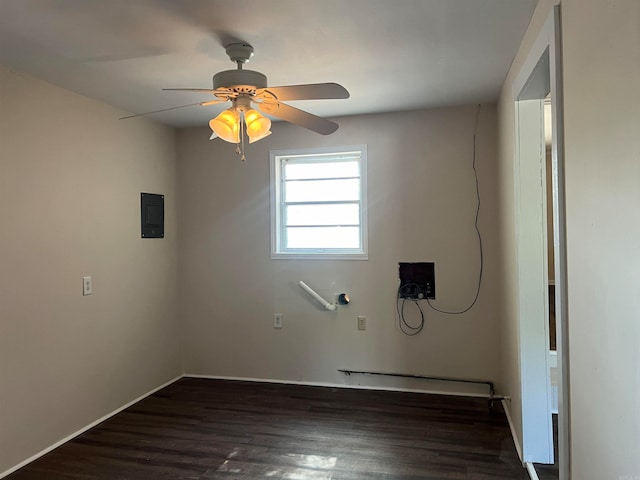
(257, 125)
(264, 135)
(227, 125)
(247, 88)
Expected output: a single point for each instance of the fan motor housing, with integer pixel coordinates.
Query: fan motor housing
(239, 80)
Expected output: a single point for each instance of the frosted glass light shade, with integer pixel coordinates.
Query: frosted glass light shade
(227, 126)
(255, 139)
(257, 125)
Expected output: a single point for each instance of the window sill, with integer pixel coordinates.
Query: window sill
(319, 256)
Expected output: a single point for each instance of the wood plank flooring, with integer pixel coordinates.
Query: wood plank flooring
(199, 429)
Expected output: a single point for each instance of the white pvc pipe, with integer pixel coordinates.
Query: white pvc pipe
(329, 306)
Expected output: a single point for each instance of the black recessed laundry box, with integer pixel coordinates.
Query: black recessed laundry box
(417, 280)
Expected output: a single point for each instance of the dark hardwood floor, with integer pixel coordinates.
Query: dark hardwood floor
(197, 429)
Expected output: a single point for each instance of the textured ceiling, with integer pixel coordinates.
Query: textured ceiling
(390, 54)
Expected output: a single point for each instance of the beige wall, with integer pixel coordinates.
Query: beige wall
(421, 208)
(602, 115)
(70, 180)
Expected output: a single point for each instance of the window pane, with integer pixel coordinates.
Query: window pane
(323, 237)
(319, 203)
(322, 190)
(341, 214)
(296, 170)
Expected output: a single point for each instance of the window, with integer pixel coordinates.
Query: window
(318, 203)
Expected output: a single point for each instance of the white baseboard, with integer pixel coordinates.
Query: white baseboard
(84, 429)
(532, 471)
(516, 442)
(339, 385)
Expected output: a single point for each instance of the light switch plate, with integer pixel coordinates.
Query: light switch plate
(87, 288)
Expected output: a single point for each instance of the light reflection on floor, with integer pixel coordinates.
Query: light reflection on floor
(262, 463)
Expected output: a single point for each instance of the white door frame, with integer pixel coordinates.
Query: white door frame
(541, 75)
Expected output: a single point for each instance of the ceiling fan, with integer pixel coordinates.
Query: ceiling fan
(246, 89)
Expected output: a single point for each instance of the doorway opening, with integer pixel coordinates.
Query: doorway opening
(541, 255)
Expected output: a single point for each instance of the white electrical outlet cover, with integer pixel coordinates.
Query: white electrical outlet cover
(87, 288)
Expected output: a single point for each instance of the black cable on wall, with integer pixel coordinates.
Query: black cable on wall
(406, 327)
(475, 173)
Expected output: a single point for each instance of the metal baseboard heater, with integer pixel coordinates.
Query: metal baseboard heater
(492, 391)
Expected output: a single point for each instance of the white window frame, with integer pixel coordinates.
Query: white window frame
(278, 250)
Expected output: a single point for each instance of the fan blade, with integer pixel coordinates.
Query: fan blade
(201, 90)
(223, 93)
(313, 91)
(162, 110)
(213, 102)
(299, 117)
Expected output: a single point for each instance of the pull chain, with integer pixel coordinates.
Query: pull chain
(240, 145)
(242, 128)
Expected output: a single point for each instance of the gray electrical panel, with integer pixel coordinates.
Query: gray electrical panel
(152, 215)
